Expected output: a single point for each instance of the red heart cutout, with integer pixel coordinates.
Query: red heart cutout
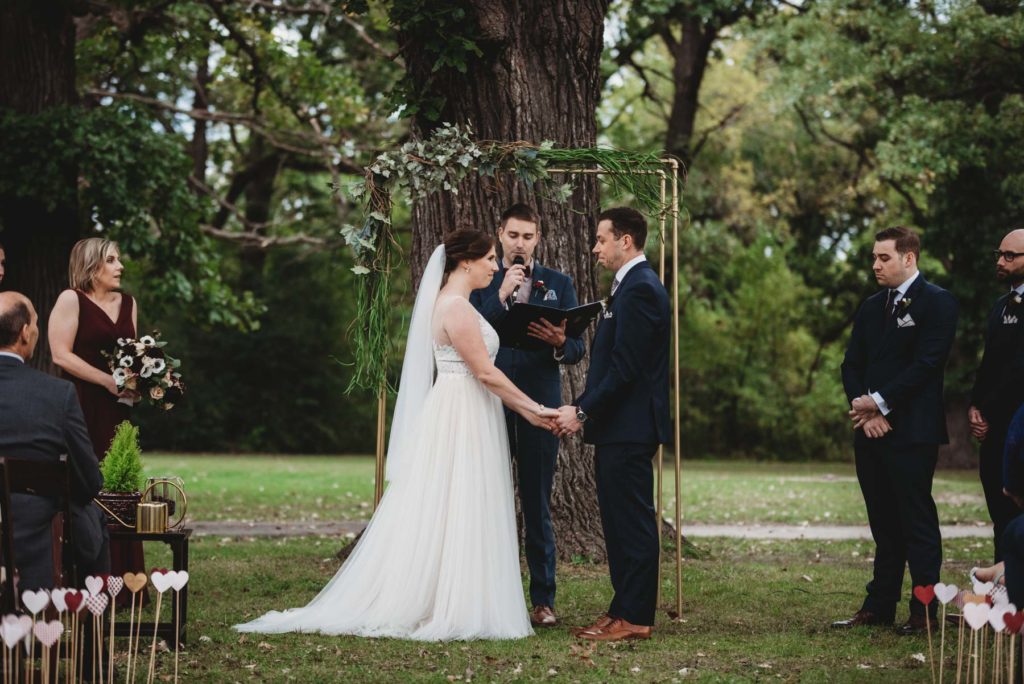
(73, 600)
(925, 594)
(1013, 622)
(162, 571)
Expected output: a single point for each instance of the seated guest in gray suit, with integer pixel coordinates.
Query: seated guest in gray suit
(40, 419)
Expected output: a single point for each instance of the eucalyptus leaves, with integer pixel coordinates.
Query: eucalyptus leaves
(440, 163)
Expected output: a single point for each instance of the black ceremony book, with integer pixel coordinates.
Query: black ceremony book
(514, 329)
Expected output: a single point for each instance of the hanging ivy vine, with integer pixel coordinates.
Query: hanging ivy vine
(439, 163)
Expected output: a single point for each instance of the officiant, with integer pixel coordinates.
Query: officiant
(536, 372)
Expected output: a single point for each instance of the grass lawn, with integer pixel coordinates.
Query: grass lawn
(302, 488)
(754, 611)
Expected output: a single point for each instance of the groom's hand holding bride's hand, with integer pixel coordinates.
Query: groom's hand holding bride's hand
(567, 423)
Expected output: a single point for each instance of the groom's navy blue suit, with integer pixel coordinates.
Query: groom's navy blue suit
(627, 406)
(905, 363)
(536, 373)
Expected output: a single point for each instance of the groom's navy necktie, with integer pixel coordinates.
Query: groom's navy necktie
(890, 303)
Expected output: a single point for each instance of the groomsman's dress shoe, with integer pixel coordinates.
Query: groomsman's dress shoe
(915, 625)
(601, 623)
(543, 616)
(861, 617)
(617, 630)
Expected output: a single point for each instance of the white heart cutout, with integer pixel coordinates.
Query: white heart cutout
(57, 597)
(945, 592)
(161, 581)
(12, 630)
(35, 601)
(94, 584)
(976, 615)
(178, 579)
(983, 587)
(995, 617)
(114, 586)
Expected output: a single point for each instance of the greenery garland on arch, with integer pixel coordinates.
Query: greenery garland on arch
(422, 167)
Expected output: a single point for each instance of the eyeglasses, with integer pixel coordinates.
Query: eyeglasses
(1008, 256)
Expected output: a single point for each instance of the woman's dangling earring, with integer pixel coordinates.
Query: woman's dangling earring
(466, 269)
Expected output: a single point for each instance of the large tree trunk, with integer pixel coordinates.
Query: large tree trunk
(538, 79)
(689, 60)
(37, 73)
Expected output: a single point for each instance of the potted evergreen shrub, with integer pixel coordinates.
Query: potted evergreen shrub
(122, 474)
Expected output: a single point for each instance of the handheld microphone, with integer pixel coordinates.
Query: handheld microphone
(518, 261)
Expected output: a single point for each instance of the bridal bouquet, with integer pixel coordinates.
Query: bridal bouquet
(142, 367)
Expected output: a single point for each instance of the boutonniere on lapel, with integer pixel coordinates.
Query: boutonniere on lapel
(903, 319)
(546, 294)
(606, 307)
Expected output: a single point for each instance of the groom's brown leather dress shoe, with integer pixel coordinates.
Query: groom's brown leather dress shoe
(618, 630)
(915, 625)
(543, 616)
(601, 623)
(861, 617)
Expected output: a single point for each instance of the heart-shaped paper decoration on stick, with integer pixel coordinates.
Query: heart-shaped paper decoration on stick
(74, 600)
(13, 630)
(995, 617)
(178, 579)
(945, 592)
(1013, 621)
(57, 597)
(48, 632)
(976, 614)
(35, 601)
(114, 586)
(925, 594)
(135, 581)
(97, 604)
(983, 587)
(161, 581)
(94, 584)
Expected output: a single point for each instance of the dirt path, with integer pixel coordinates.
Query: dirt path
(227, 528)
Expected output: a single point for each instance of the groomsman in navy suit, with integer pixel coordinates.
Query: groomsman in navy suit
(999, 385)
(537, 373)
(893, 373)
(624, 413)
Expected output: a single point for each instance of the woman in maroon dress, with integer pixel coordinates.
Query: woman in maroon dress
(86, 321)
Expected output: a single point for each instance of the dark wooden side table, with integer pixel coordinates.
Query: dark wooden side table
(174, 631)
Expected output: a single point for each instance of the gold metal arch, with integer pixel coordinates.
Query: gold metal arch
(668, 174)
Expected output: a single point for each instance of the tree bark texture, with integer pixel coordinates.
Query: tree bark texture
(538, 79)
(37, 72)
(689, 60)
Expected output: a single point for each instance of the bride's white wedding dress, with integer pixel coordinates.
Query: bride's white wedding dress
(439, 559)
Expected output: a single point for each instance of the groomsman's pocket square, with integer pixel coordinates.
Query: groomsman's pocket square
(551, 296)
(905, 322)
(1009, 320)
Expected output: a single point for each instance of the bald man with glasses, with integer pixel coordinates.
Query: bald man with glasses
(999, 384)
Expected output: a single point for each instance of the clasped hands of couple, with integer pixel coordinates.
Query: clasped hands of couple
(864, 413)
(561, 421)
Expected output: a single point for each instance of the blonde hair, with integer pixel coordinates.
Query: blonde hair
(87, 257)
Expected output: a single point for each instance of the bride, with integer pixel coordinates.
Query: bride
(439, 560)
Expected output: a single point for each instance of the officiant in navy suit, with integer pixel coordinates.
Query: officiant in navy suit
(893, 376)
(624, 413)
(536, 373)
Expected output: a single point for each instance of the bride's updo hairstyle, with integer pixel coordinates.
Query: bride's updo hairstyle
(465, 245)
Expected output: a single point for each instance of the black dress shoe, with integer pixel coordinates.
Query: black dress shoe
(861, 617)
(916, 624)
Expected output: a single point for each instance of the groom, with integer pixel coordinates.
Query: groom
(536, 372)
(624, 413)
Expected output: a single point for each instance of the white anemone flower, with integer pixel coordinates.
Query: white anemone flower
(126, 362)
(119, 376)
(159, 365)
(147, 340)
(146, 371)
